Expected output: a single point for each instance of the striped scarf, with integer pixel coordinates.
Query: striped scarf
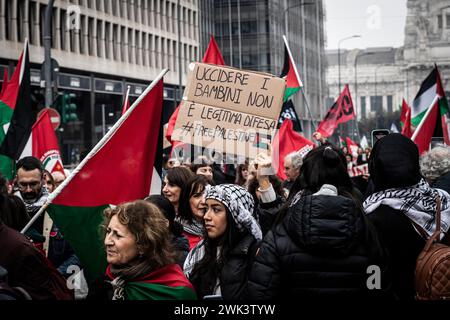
(417, 202)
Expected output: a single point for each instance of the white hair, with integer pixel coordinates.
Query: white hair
(435, 162)
(296, 159)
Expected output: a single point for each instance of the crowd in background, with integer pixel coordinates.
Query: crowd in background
(236, 232)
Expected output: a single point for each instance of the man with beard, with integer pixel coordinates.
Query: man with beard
(31, 188)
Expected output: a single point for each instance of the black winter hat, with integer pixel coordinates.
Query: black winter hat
(394, 162)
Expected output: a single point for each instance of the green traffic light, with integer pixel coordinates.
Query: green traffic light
(69, 108)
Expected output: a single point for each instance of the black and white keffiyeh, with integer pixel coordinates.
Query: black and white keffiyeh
(194, 227)
(418, 202)
(240, 204)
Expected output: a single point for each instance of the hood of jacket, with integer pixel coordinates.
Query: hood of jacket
(394, 163)
(325, 224)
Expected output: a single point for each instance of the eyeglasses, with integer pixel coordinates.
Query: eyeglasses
(25, 185)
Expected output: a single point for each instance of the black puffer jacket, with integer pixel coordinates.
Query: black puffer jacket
(234, 273)
(320, 250)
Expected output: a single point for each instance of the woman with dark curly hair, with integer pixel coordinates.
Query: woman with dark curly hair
(140, 256)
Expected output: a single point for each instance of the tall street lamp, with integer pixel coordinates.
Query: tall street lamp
(356, 87)
(339, 57)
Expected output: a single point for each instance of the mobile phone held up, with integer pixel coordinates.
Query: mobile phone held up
(377, 134)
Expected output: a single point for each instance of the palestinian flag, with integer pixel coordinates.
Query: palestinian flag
(16, 115)
(43, 144)
(167, 283)
(342, 143)
(5, 82)
(119, 169)
(293, 81)
(428, 110)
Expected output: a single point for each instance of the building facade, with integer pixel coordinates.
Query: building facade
(249, 34)
(102, 47)
(379, 78)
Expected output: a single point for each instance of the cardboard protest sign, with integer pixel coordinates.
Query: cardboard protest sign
(230, 110)
(223, 129)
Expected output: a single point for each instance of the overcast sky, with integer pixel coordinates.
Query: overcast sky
(381, 23)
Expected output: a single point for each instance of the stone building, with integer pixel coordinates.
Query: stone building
(379, 78)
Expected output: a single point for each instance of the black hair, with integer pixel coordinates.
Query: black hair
(13, 212)
(168, 210)
(194, 185)
(205, 272)
(179, 176)
(30, 164)
(199, 163)
(240, 181)
(322, 165)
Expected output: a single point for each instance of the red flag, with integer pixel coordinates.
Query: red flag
(119, 169)
(126, 101)
(341, 112)
(403, 114)
(406, 130)
(9, 97)
(352, 147)
(212, 55)
(287, 141)
(5, 82)
(45, 144)
(171, 124)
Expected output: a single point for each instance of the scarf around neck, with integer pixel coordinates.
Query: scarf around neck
(194, 227)
(165, 283)
(417, 202)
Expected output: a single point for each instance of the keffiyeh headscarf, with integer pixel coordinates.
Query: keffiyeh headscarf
(417, 202)
(240, 204)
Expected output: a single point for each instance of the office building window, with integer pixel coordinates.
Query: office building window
(389, 104)
(376, 103)
(363, 107)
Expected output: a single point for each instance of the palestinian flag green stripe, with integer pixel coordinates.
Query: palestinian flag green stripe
(5, 114)
(6, 163)
(443, 108)
(80, 226)
(153, 291)
(289, 92)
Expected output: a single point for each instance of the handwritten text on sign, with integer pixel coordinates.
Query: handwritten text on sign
(221, 129)
(238, 90)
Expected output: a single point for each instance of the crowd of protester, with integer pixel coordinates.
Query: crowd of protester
(237, 232)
